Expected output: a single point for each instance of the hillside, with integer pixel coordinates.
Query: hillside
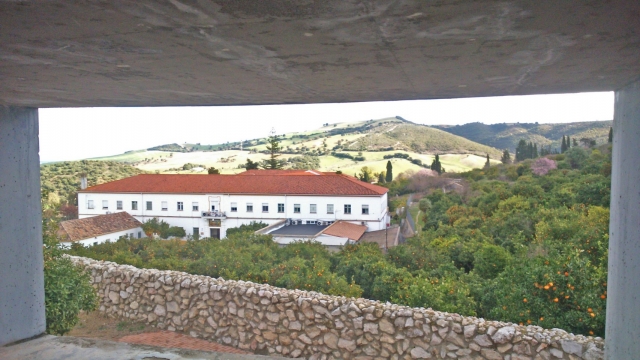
(506, 136)
(369, 140)
(63, 178)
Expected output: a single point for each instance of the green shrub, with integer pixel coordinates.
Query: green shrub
(67, 288)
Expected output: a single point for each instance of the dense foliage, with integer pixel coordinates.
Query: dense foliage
(67, 288)
(510, 245)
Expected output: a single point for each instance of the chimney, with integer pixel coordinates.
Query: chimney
(83, 182)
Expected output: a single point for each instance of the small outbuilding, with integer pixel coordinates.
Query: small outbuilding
(98, 229)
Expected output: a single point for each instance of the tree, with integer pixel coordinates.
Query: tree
(67, 288)
(487, 164)
(542, 166)
(506, 157)
(563, 147)
(436, 165)
(274, 150)
(389, 175)
(381, 177)
(521, 150)
(212, 170)
(365, 174)
(535, 151)
(610, 134)
(251, 165)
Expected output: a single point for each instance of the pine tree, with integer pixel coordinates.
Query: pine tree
(563, 147)
(506, 157)
(274, 149)
(610, 134)
(568, 143)
(389, 175)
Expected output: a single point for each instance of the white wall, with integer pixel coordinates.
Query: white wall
(189, 219)
(107, 237)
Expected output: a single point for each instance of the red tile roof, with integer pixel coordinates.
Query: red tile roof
(281, 172)
(345, 229)
(80, 229)
(328, 184)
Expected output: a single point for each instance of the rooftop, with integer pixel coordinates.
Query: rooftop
(306, 230)
(80, 229)
(346, 229)
(328, 184)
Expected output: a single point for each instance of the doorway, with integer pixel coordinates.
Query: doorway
(214, 233)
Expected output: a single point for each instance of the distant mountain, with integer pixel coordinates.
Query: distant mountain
(507, 136)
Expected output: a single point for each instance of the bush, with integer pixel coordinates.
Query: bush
(67, 288)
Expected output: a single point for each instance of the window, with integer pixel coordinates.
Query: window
(265, 207)
(249, 207)
(105, 204)
(347, 208)
(134, 205)
(180, 206)
(165, 206)
(149, 205)
(195, 206)
(280, 208)
(296, 208)
(90, 204)
(139, 234)
(365, 209)
(329, 208)
(234, 207)
(313, 208)
(119, 205)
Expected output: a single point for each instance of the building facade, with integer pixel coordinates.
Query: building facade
(208, 205)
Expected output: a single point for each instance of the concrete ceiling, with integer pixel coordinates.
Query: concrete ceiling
(63, 53)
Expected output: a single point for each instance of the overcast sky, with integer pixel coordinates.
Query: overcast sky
(80, 133)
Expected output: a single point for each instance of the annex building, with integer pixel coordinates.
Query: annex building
(208, 205)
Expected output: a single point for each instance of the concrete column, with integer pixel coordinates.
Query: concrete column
(623, 286)
(21, 266)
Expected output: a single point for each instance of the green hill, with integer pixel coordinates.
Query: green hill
(506, 136)
(63, 178)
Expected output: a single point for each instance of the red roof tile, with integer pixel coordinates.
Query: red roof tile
(345, 229)
(328, 184)
(80, 229)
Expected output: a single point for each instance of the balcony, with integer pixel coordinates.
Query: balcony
(214, 215)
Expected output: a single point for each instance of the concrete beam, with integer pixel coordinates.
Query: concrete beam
(623, 290)
(21, 266)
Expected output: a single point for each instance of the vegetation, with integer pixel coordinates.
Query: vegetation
(60, 181)
(507, 136)
(512, 244)
(67, 289)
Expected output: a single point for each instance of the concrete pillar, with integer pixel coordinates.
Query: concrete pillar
(623, 286)
(21, 266)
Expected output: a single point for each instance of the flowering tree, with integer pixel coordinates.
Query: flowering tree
(542, 166)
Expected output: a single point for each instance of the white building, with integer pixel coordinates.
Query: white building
(98, 229)
(208, 205)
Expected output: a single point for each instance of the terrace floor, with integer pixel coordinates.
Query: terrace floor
(71, 348)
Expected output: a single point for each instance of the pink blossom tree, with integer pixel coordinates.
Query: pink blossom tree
(542, 166)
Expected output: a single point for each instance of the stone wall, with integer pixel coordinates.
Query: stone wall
(301, 324)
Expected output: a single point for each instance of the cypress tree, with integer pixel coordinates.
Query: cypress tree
(487, 164)
(389, 174)
(521, 150)
(568, 143)
(610, 134)
(436, 165)
(563, 147)
(535, 151)
(506, 157)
